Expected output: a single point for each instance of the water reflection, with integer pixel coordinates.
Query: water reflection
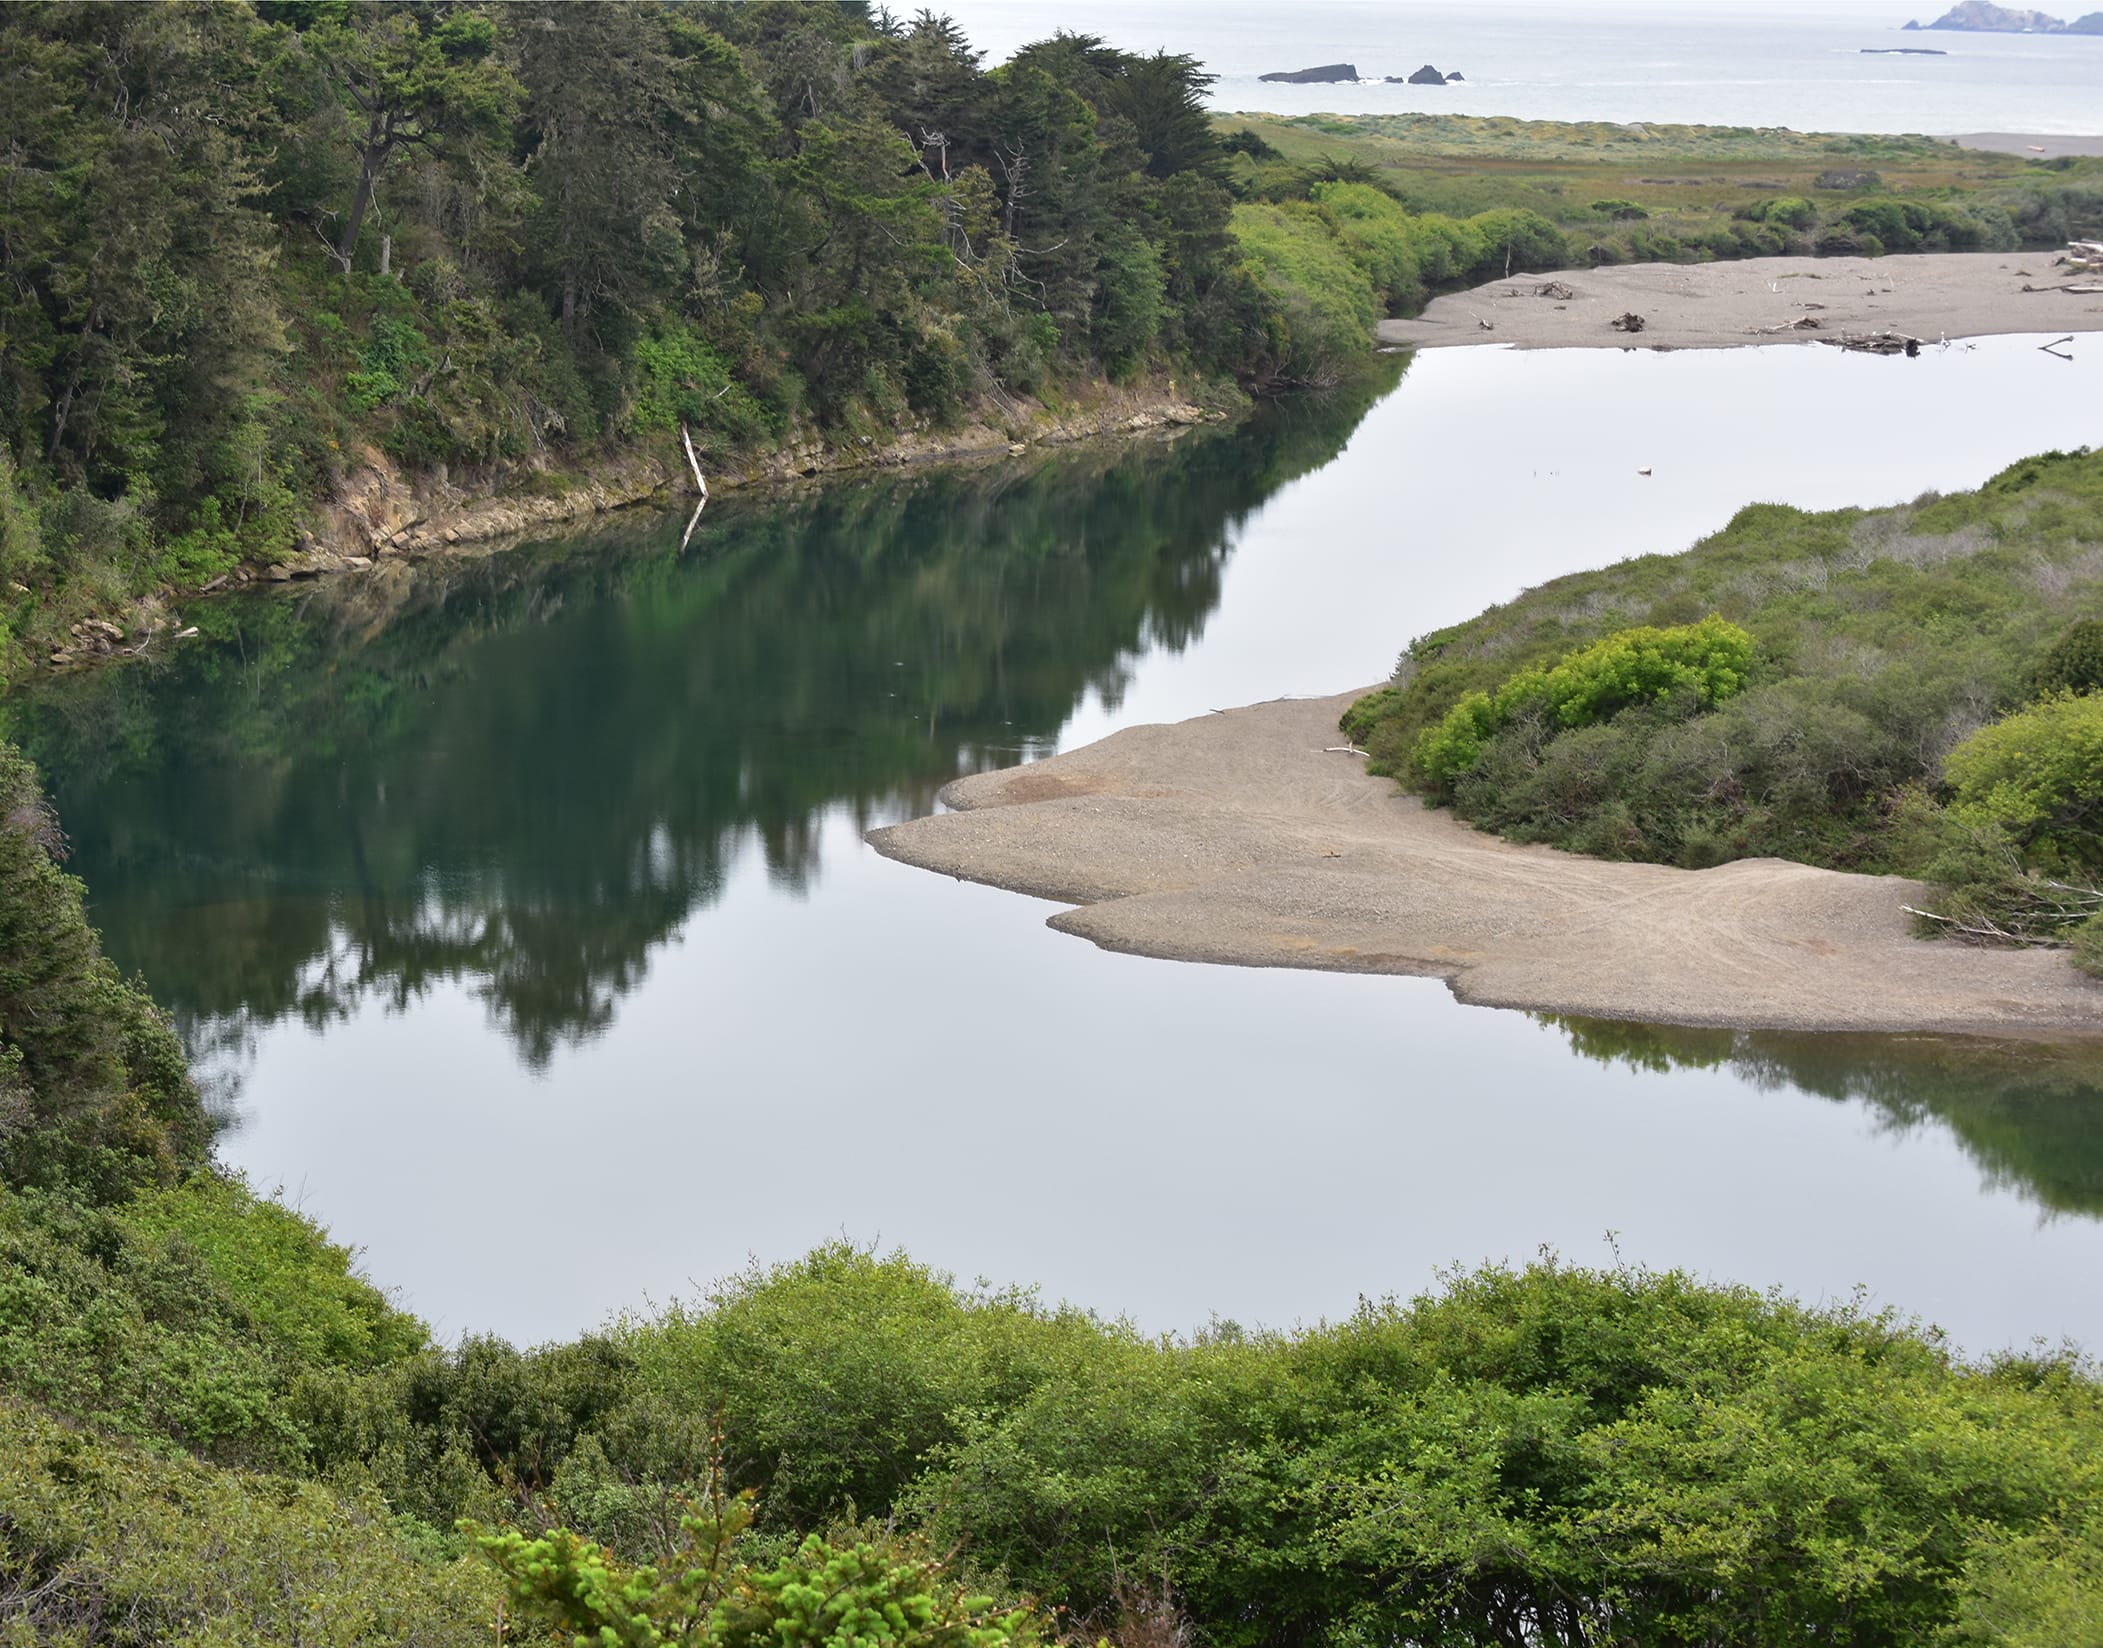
(2028, 1113)
(525, 772)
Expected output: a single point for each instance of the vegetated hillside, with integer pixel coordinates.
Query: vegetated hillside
(1911, 689)
(212, 1429)
(1659, 193)
(249, 244)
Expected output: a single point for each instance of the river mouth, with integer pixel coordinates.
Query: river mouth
(526, 893)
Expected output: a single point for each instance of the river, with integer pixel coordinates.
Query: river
(516, 903)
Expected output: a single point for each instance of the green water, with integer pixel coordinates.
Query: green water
(527, 769)
(515, 904)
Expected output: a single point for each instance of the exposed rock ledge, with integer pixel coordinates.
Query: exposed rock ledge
(377, 510)
(1245, 837)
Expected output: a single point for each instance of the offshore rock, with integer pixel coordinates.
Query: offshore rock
(1328, 74)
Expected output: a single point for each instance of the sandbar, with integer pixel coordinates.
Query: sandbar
(1930, 295)
(1249, 837)
(2031, 145)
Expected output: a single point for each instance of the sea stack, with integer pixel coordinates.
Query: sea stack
(1327, 74)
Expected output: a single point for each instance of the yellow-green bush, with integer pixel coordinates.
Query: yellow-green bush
(1706, 662)
(2038, 774)
(105, 1546)
(1324, 296)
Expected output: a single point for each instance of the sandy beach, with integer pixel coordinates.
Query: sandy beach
(1931, 296)
(1247, 837)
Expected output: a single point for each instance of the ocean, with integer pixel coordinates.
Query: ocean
(1790, 63)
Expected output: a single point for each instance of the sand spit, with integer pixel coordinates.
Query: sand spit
(1244, 837)
(1931, 296)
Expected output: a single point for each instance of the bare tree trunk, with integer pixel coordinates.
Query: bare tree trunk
(372, 155)
(700, 484)
(64, 409)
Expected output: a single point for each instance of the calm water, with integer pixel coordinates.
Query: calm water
(1795, 63)
(519, 905)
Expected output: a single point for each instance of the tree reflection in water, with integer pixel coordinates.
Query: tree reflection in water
(2029, 1113)
(526, 770)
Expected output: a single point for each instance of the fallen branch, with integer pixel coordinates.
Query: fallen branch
(1984, 930)
(700, 481)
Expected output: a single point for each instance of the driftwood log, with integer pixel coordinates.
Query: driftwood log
(1876, 343)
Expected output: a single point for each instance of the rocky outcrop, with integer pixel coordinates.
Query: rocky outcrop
(1329, 74)
(1981, 17)
(376, 510)
(1427, 76)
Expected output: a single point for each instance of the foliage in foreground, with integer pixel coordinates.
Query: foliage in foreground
(103, 1544)
(865, 1587)
(1887, 646)
(213, 1431)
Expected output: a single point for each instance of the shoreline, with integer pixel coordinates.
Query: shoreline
(1744, 302)
(1247, 837)
(2031, 145)
(377, 512)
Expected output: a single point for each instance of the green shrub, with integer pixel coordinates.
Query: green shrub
(282, 1271)
(1325, 300)
(2073, 663)
(2088, 946)
(1882, 634)
(103, 1545)
(869, 1588)
(680, 379)
(96, 1096)
(1379, 234)
(2038, 774)
(1132, 302)
(1705, 662)
(1448, 248)
(1514, 239)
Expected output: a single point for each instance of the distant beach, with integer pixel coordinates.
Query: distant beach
(1761, 300)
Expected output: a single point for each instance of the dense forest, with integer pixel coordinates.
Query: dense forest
(1916, 689)
(247, 244)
